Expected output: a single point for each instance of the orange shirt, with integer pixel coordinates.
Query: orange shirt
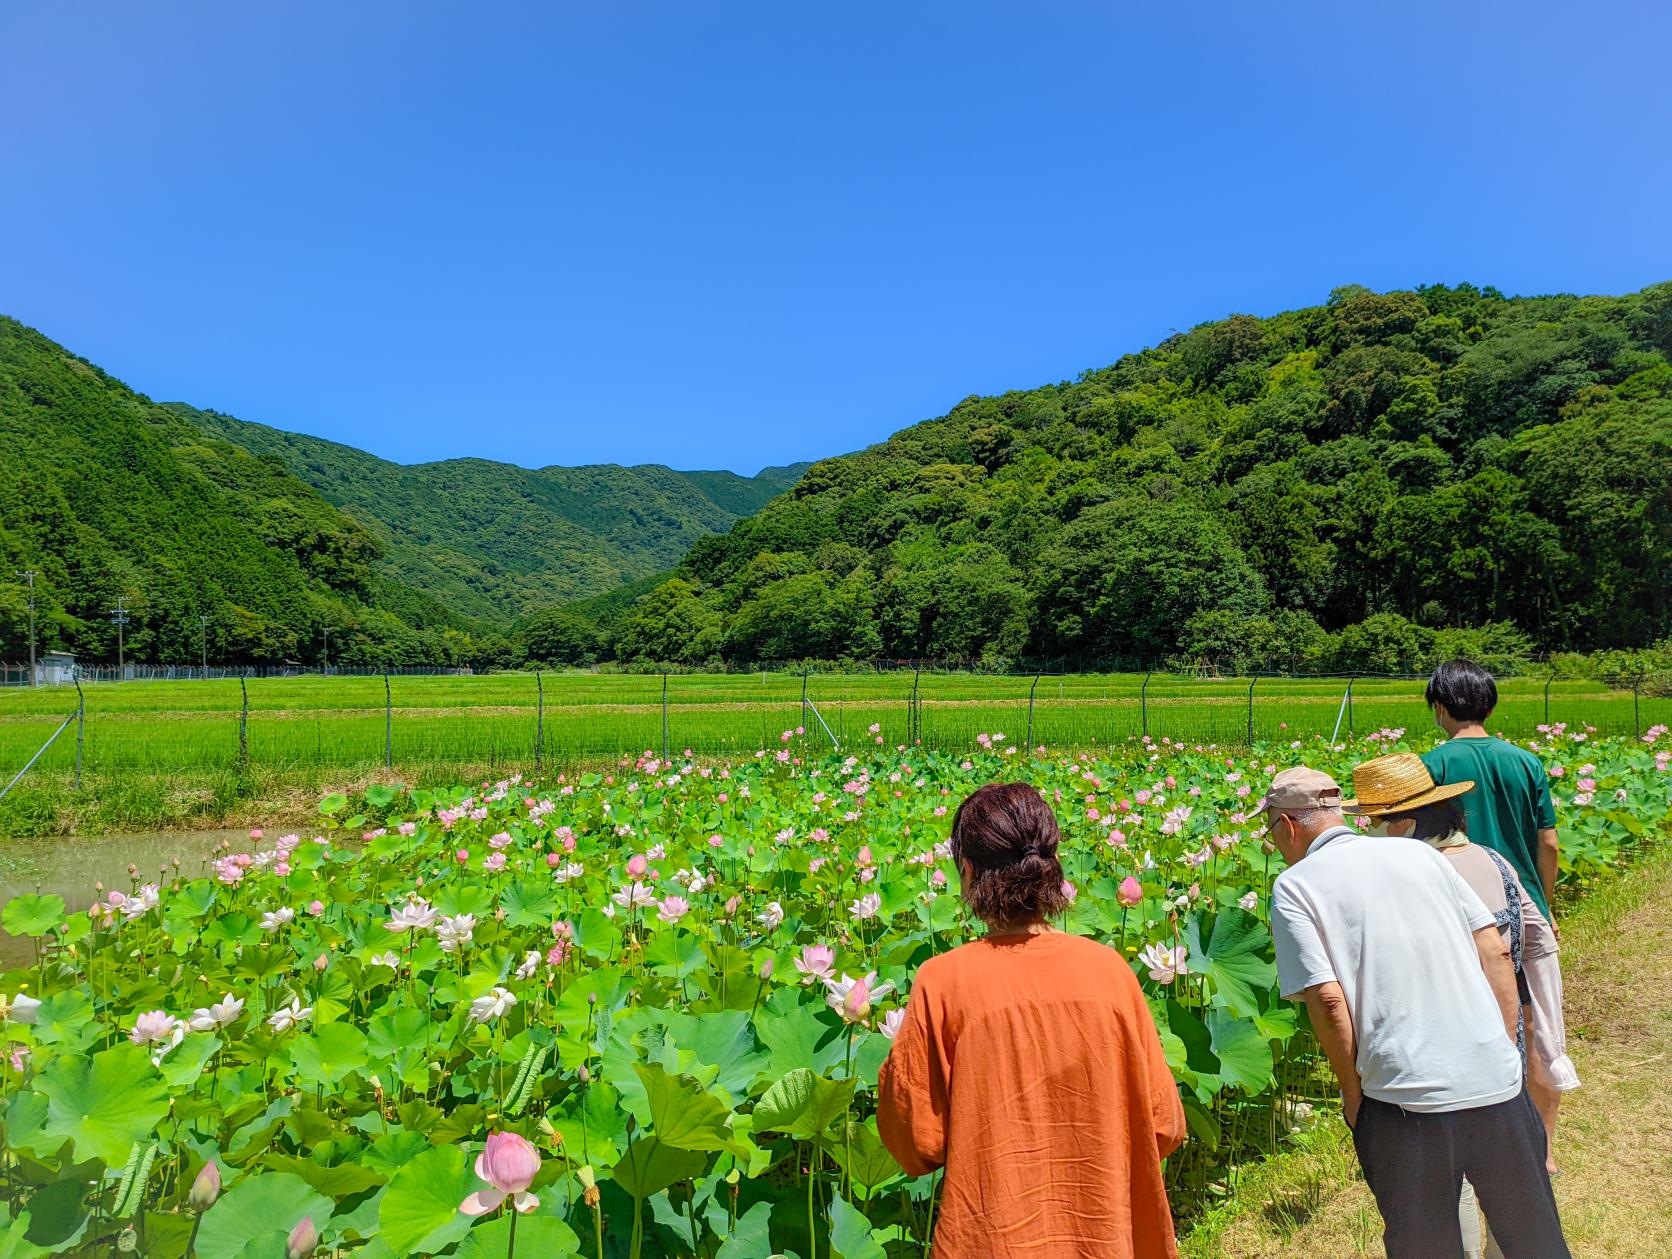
(1030, 1068)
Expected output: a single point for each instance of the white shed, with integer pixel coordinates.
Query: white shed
(55, 668)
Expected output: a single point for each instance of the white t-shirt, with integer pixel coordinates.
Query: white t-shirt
(1393, 924)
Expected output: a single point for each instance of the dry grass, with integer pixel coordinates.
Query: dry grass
(1614, 1142)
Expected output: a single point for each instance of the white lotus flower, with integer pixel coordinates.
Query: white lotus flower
(277, 918)
(19, 1009)
(288, 1016)
(223, 1012)
(415, 915)
(867, 906)
(634, 896)
(891, 1023)
(772, 916)
(391, 960)
(453, 932)
(530, 963)
(487, 1008)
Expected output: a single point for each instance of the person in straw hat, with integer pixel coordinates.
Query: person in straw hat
(1412, 996)
(1399, 797)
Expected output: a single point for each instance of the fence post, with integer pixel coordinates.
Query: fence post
(539, 720)
(1547, 682)
(80, 727)
(1031, 691)
(1143, 703)
(664, 717)
(914, 727)
(388, 725)
(1636, 713)
(244, 726)
(1350, 682)
(804, 699)
(1252, 682)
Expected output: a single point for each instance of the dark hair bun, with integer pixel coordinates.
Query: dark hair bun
(1009, 836)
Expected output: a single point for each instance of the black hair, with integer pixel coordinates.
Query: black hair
(1465, 689)
(1434, 821)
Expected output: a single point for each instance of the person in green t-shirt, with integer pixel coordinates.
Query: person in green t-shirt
(1509, 811)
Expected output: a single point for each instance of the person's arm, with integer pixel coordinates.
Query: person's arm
(913, 1097)
(1548, 856)
(1332, 1023)
(1500, 973)
(1549, 864)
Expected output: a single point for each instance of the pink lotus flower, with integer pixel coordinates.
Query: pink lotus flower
(153, 1025)
(316, 908)
(509, 1165)
(494, 862)
(303, 1240)
(637, 865)
(851, 998)
(890, 1026)
(206, 1188)
(1070, 893)
(673, 909)
(817, 961)
(1165, 965)
(1131, 891)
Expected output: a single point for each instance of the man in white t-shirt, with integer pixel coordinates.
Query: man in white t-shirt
(1412, 996)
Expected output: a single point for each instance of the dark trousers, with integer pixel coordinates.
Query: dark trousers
(1415, 1164)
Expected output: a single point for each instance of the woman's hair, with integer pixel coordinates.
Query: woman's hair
(1008, 835)
(1434, 821)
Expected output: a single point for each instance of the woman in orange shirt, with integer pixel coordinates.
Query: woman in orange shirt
(1028, 1066)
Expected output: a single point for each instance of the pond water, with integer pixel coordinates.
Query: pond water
(69, 866)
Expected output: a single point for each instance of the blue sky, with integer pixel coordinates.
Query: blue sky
(729, 235)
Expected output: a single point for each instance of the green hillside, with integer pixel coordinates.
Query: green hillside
(493, 540)
(1353, 485)
(109, 496)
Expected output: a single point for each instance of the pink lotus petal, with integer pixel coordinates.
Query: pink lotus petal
(482, 1201)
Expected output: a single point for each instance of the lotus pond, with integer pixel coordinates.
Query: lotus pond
(663, 993)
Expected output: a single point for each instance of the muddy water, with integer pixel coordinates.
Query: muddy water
(70, 866)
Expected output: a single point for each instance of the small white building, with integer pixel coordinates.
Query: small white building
(55, 668)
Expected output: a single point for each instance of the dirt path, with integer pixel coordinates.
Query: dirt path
(1614, 1142)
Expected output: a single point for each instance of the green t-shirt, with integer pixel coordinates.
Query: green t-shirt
(1509, 805)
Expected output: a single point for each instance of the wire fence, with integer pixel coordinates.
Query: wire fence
(542, 721)
(49, 675)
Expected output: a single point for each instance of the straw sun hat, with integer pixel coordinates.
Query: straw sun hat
(1397, 784)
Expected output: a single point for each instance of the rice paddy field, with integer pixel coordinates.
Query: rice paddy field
(326, 722)
(319, 730)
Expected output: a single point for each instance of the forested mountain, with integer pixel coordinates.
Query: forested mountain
(1328, 487)
(109, 496)
(278, 538)
(494, 540)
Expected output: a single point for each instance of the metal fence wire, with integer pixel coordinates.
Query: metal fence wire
(545, 721)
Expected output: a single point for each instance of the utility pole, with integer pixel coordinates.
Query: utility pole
(325, 636)
(119, 617)
(29, 576)
(203, 625)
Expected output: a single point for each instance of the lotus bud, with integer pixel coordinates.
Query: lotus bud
(586, 1076)
(637, 865)
(206, 1188)
(1131, 891)
(303, 1240)
(766, 969)
(321, 962)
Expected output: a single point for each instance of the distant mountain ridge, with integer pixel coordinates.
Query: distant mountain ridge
(496, 541)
